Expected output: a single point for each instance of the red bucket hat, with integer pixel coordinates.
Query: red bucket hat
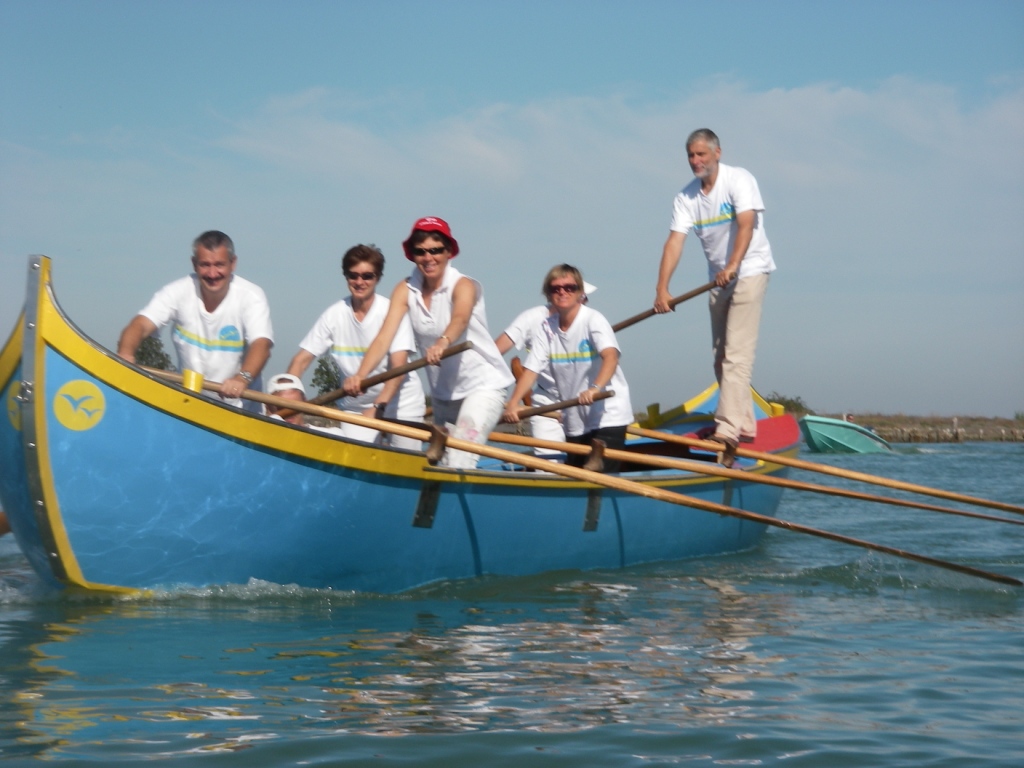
(431, 224)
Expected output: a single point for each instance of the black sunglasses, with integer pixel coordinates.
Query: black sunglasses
(367, 276)
(571, 288)
(432, 251)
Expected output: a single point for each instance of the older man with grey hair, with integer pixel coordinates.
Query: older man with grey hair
(723, 207)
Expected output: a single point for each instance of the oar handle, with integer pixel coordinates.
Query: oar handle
(650, 312)
(399, 370)
(539, 410)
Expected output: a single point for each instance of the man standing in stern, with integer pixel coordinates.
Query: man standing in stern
(221, 321)
(723, 206)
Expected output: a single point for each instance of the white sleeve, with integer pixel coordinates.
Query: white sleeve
(256, 316)
(682, 215)
(744, 192)
(601, 332)
(163, 307)
(319, 338)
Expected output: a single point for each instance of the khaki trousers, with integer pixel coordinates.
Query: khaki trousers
(735, 322)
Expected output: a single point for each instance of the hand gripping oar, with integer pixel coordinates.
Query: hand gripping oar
(398, 370)
(706, 468)
(608, 481)
(825, 469)
(672, 303)
(561, 405)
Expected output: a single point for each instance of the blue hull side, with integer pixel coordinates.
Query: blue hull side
(147, 499)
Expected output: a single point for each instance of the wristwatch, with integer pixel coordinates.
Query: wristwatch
(245, 375)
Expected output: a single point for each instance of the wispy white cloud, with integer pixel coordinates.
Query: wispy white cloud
(883, 204)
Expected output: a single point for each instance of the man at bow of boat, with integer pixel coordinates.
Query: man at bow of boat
(723, 207)
(221, 322)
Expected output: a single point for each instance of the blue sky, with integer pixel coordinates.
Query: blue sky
(887, 138)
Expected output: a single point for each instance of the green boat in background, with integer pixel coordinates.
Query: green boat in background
(825, 435)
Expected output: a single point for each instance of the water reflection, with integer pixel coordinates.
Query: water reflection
(187, 673)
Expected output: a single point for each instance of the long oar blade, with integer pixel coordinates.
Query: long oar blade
(826, 469)
(716, 470)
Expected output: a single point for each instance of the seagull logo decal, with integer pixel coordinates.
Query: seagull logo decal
(79, 405)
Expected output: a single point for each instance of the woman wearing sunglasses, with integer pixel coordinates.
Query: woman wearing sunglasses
(346, 329)
(519, 334)
(578, 344)
(445, 307)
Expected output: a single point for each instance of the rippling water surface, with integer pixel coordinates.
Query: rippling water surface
(804, 652)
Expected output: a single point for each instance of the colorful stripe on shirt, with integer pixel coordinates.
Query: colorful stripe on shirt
(727, 213)
(348, 351)
(230, 340)
(584, 354)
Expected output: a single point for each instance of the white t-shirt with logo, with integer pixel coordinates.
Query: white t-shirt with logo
(212, 343)
(348, 338)
(712, 218)
(574, 357)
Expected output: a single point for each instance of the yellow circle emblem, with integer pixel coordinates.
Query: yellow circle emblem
(13, 406)
(79, 405)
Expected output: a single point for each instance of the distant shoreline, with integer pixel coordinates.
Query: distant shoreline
(900, 428)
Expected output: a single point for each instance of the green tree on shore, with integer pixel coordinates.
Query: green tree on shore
(151, 354)
(793, 405)
(326, 377)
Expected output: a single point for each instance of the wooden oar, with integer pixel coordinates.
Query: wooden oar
(607, 481)
(714, 447)
(398, 370)
(707, 468)
(561, 405)
(672, 303)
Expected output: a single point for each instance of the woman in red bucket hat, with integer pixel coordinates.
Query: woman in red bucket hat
(445, 307)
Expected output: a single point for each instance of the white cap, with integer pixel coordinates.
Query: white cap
(283, 381)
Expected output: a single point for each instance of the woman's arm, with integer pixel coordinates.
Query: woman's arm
(609, 362)
(382, 342)
(463, 300)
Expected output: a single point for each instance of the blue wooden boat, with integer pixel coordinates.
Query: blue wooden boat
(115, 479)
(825, 435)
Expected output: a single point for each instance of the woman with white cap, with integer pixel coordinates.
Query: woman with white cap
(579, 346)
(345, 329)
(445, 307)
